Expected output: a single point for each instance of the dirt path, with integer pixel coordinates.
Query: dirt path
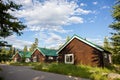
(25, 73)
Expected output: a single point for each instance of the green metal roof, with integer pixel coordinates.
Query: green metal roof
(27, 54)
(48, 52)
(83, 40)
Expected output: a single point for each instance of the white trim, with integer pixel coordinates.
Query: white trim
(80, 40)
(68, 55)
(38, 50)
(50, 57)
(110, 59)
(27, 60)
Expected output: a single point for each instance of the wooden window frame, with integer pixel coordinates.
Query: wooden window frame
(69, 55)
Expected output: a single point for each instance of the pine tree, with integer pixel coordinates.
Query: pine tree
(107, 45)
(25, 49)
(34, 45)
(68, 38)
(24, 53)
(11, 51)
(116, 35)
(8, 23)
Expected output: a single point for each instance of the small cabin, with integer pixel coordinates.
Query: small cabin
(44, 55)
(80, 51)
(20, 54)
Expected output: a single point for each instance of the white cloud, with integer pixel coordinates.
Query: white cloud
(50, 39)
(80, 11)
(105, 7)
(50, 14)
(76, 20)
(17, 43)
(83, 4)
(96, 41)
(54, 38)
(95, 3)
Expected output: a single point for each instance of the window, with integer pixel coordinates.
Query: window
(105, 55)
(15, 59)
(35, 59)
(51, 58)
(27, 60)
(69, 58)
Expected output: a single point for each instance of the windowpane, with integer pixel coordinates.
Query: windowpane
(69, 58)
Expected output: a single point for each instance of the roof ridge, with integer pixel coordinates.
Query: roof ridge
(46, 48)
(83, 40)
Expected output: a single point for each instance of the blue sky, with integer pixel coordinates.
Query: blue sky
(51, 21)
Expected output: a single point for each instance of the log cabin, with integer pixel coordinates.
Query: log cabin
(81, 51)
(20, 54)
(44, 55)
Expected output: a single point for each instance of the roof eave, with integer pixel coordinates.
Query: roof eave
(75, 36)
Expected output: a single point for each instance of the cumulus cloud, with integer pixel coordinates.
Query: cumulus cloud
(46, 18)
(50, 14)
(83, 4)
(17, 43)
(50, 39)
(105, 7)
(96, 41)
(95, 3)
(54, 41)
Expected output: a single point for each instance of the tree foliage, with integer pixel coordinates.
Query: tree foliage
(6, 54)
(34, 45)
(11, 51)
(116, 34)
(25, 49)
(67, 38)
(107, 45)
(8, 23)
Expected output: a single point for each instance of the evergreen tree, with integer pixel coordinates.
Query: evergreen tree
(34, 45)
(107, 45)
(8, 23)
(116, 35)
(25, 49)
(11, 51)
(24, 53)
(68, 38)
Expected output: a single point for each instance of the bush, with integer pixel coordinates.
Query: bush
(116, 59)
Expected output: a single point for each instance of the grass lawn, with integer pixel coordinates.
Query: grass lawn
(75, 70)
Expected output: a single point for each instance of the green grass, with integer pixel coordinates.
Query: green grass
(93, 73)
(23, 64)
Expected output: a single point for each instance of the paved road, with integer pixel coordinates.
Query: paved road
(26, 73)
